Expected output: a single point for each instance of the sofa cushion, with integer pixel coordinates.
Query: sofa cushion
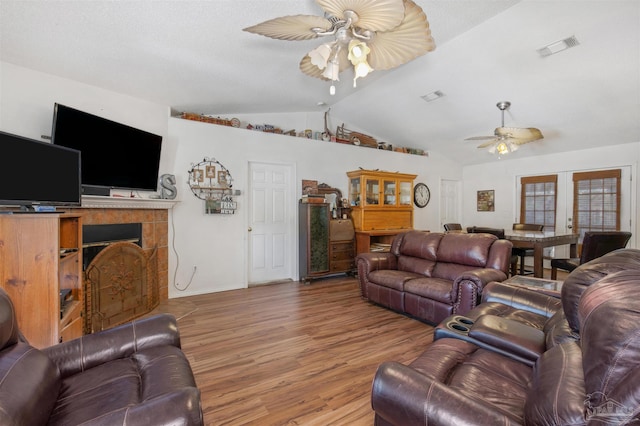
(118, 385)
(392, 278)
(556, 396)
(477, 373)
(29, 384)
(591, 272)
(609, 313)
(431, 288)
(465, 249)
(418, 244)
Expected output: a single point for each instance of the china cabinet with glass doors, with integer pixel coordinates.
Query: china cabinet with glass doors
(381, 200)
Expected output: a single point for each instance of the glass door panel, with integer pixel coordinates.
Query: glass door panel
(389, 192)
(372, 189)
(354, 191)
(405, 193)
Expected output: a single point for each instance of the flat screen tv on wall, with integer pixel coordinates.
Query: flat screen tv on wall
(38, 173)
(114, 155)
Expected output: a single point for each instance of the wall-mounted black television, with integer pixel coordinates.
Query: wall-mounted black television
(38, 173)
(114, 155)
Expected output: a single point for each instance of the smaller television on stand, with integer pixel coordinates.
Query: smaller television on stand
(35, 175)
(114, 155)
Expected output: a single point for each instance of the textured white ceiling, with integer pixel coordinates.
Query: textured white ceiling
(194, 56)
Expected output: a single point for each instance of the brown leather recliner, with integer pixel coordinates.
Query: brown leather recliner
(433, 275)
(135, 374)
(589, 376)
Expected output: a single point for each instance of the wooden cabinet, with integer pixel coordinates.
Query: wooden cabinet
(326, 246)
(40, 259)
(342, 248)
(381, 200)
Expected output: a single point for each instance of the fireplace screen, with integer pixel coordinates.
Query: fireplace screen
(120, 284)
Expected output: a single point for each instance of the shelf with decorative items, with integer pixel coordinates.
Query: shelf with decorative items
(342, 135)
(212, 182)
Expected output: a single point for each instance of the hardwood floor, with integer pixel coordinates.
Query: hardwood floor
(292, 354)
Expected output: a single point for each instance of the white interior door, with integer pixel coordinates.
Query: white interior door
(271, 223)
(450, 202)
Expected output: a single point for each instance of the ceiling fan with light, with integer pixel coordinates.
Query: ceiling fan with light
(367, 34)
(507, 139)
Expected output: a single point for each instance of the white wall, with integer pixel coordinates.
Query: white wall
(217, 244)
(27, 98)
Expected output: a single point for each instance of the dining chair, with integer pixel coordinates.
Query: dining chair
(521, 253)
(452, 227)
(594, 245)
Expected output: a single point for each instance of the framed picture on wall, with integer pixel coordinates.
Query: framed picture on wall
(486, 200)
(222, 178)
(211, 172)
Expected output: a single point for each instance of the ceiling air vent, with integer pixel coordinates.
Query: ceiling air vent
(432, 96)
(558, 46)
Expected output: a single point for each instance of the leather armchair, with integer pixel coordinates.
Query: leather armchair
(135, 374)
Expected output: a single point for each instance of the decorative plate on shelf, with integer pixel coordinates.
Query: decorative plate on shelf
(235, 122)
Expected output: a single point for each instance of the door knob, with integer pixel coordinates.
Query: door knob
(249, 229)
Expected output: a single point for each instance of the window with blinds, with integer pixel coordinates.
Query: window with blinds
(596, 201)
(538, 200)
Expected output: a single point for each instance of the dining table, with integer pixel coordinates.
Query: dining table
(538, 240)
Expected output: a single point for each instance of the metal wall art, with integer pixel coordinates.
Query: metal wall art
(210, 181)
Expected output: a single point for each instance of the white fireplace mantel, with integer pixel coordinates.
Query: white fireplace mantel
(98, 202)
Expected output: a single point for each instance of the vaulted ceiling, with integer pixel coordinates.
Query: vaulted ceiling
(193, 56)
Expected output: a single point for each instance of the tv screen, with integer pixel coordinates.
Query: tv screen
(114, 155)
(34, 172)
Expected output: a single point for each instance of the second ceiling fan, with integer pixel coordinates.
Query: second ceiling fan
(508, 139)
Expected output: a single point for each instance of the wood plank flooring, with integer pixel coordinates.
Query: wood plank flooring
(292, 354)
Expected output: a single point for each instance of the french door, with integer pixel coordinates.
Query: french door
(584, 201)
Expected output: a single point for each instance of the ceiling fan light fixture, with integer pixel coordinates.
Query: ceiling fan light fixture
(320, 55)
(358, 52)
(332, 70)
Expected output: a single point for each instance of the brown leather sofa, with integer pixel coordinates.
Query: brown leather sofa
(433, 275)
(134, 374)
(585, 358)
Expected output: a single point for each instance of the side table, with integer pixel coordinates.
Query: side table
(541, 285)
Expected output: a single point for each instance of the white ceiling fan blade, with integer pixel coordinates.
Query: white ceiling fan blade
(412, 38)
(373, 15)
(486, 144)
(295, 27)
(525, 133)
(479, 138)
(313, 71)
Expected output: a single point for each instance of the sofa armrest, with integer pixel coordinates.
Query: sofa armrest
(377, 261)
(521, 298)
(98, 348)
(404, 396)
(369, 262)
(468, 287)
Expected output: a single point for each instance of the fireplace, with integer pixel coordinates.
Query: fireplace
(120, 277)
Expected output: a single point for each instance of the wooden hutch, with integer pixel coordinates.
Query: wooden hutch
(381, 206)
